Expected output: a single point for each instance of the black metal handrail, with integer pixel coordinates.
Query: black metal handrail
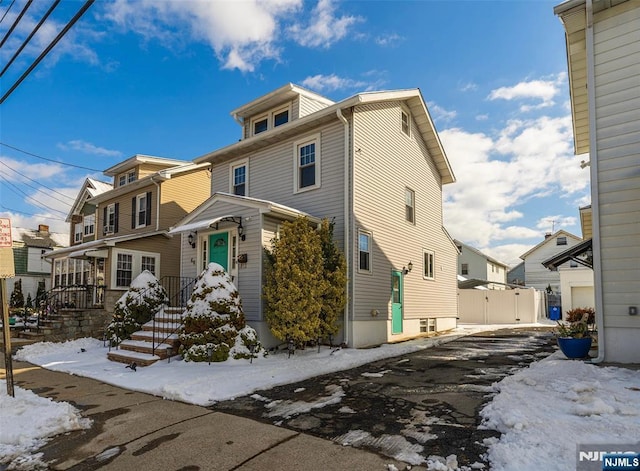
(179, 291)
(68, 297)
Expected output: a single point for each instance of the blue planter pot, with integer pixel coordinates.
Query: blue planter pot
(575, 348)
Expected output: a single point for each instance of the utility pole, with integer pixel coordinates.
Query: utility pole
(7, 270)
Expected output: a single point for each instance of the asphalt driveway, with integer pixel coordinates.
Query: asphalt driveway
(408, 407)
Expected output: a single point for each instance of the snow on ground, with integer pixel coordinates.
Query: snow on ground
(543, 411)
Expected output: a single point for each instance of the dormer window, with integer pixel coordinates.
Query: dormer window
(122, 180)
(280, 118)
(128, 177)
(131, 176)
(272, 119)
(260, 125)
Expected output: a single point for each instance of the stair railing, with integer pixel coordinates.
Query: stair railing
(179, 291)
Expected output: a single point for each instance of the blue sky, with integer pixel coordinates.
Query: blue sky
(160, 78)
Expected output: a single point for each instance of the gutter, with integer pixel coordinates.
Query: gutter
(347, 221)
(595, 203)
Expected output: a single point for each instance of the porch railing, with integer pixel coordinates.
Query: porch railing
(68, 297)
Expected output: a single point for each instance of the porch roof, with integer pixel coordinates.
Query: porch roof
(572, 253)
(80, 250)
(198, 225)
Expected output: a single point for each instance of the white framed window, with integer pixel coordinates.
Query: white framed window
(364, 252)
(148, 263)
(131, 176)
(141, 210)
(89, 224)
(464, 270)
(239, 180)
(129, 264)
(410, 205)
(78, 232)
(259, 124)
(122, 180)
(428, 264)
(405, 123)
(306, 164)
(110, 219)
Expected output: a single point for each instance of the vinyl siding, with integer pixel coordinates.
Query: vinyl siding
(536, 275)
(168, 248)
(308, 105)
(182, 194)
(617, 100)
(124, 213)
(270, 176)
(386, 162)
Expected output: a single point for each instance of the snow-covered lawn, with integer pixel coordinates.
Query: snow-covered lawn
(543, 411)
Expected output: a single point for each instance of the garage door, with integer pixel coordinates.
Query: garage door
(582, 296)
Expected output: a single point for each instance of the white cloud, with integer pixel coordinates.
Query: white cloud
(88, 148)
(468, 87)
(325, 28)
(542, 91)
(482, 117)
(329, 83)
(556, 222)
(497, 173)
(387, 40)
(439, 114)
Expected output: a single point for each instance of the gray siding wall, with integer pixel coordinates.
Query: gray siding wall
(617, 75)
(270, 176)
(386, 161)
(306, 106)
(539, 277)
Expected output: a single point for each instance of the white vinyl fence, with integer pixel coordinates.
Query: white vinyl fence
(523, 306)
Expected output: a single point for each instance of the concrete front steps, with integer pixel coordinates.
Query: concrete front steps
(139, 349)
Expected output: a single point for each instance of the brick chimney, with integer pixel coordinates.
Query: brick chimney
(43, 228)
(547, 235)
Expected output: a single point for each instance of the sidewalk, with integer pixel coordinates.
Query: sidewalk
(136, 431)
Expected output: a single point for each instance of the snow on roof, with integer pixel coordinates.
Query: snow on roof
(35, 238)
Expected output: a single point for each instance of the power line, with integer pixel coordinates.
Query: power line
(60, 35)
(5, 13)
(30, 214)
(15, 23)
(49, 160)
(35, 202)
(34, 181)
(37, 189)
(26, 41)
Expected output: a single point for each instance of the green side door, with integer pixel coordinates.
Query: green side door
(396, 302)
(219, 249)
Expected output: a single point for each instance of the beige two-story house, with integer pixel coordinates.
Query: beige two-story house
(373, 164)
(121, 229)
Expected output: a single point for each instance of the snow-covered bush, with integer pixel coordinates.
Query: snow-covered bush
(144, 298)
(214, 320)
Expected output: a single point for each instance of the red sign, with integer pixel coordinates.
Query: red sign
(5, 233)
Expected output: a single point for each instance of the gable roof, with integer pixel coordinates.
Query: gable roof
(574, 253)
(90, 188)
(412, 98)
(142, 159)
(39, 239)
(548, 239)
(478, 252)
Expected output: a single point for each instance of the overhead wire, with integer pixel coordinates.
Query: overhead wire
(35, 202)
(47, 159)
(26, 41)
(38, 189)
(46, 51)
(34, 181)
(29, 214)
(15, 23)
(7, 11)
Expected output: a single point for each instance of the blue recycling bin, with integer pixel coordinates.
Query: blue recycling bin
(554, 313)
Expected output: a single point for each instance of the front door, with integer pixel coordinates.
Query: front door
(219, 249)
(396, 302)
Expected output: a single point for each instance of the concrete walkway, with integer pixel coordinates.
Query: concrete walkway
(136, 431)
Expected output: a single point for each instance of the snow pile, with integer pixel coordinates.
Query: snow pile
(547, 409)
(27, 420)
(214, 324)
(137, 306)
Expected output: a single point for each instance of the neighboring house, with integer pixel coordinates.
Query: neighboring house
(374, 165)
(29, 249)
(515, 276)
(479, 268)
(603, 53)
(124, 228)
(536, 275)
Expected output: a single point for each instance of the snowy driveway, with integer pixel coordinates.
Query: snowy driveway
(409, 407)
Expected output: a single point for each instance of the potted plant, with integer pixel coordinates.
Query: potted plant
(574, 337)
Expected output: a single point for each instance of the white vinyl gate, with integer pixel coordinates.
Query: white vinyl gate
(517, 306)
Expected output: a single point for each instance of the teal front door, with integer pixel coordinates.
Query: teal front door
(396, 302)
(219, 249)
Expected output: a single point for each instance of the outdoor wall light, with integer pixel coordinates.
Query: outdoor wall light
(192, 240)
(241, 231)
(406, 270)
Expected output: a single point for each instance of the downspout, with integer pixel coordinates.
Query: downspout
(595, 203)
(157, 203)
(347, 222)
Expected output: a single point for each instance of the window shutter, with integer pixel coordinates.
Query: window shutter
(148, 221)
(115, 218)
(134, 211)
(104, 220)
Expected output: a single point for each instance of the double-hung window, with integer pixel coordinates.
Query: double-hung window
(428, 264)
(410, 205)
(239, 179)
(122, 180)
(89, 224)
(124, 269)
(148, 263)
(364, 252)
(77, 232)
(307, 164)
(405, 123)
(131, 176)
(141, 210)
(111, 218)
